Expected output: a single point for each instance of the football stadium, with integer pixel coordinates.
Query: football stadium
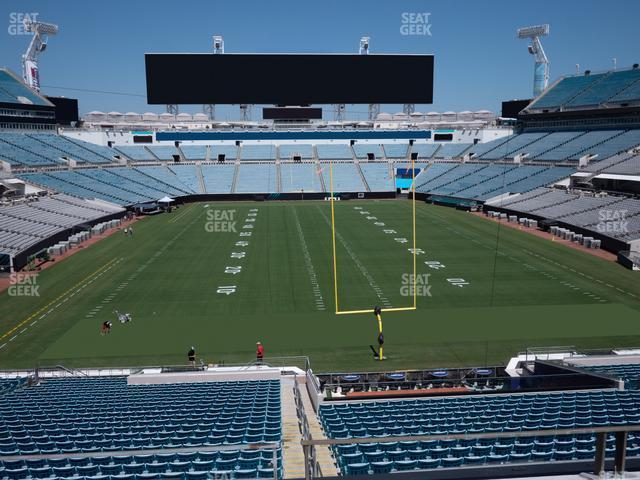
(298, 261)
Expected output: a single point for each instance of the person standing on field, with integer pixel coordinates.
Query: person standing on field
(259, 352)
(191, 355)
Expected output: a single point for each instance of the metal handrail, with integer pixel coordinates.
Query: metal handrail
(599, 454)
(311, 465)
(474, 436)
(301, 361)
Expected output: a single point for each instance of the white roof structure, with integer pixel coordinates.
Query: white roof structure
(616, 176)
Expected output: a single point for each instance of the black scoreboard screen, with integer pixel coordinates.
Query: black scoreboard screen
(288, 79)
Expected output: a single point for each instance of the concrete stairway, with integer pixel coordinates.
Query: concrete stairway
(292, 453)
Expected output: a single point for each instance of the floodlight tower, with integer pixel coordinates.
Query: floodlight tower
(41, 32)
(541, 68)
(218, 48)
(374, 108)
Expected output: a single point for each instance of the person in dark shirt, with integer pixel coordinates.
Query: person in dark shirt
(105, 328)
(191, 354)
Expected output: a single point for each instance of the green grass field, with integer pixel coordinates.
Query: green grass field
(510, 290)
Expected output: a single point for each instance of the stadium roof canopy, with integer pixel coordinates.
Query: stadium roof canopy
(615, 176)
(14, 91)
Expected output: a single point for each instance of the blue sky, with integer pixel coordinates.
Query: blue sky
(478, 60)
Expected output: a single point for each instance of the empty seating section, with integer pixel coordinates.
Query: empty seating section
(195, 152)
(539, 178)
(303, 150)
(623, 211)
(611, 162)
(188, 175)
(257, 178)
(70, 149)
(480, 149)
(574, 205)
(345, 178)
(362, 150)
(218, 178)
(430, 173)
(584, 211)
(247, 463)
(258, 152)
(169, 186)
(513, 144)
(477, 414)
(100, 150)
(73, 183)
(26, 224)
(20, 150)
(525, 196)
(424, 150)
(300, 176)
(629, 166)
(396, 150)
(378, 177)
(168, 177)
(163, 152)
(556, 146)
(573, 148)
(452, 150)
(468, 176)
(565, 90)
(629, 372)
(539, 198)
(616, 144)
(10, 384)
(546, 143)
(334, 151)
(230, 152)
(496, 180)
(136, 153)
(608, 87)
(456, 174)
(116, 178)
(12, 90)
(98, 415)
(629, 94)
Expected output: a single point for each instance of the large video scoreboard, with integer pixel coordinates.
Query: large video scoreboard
(288, 79)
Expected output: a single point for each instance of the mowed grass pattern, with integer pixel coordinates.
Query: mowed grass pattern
(518, 291)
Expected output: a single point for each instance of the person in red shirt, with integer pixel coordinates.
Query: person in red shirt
(259, 352)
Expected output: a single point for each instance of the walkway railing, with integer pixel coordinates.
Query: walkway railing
(621, 433)
(311, 465)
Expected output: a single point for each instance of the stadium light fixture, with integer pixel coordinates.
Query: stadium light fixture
(218, 44)
(218, 48)
(374, 108)
(541, 67)
(38, 44)
(364, 45)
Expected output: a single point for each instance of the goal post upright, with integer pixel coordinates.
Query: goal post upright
(415, 253)
(414, 305)
(333, 238)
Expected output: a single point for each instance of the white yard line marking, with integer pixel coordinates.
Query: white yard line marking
(365, 273)
(62, 299)
(309, 264)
